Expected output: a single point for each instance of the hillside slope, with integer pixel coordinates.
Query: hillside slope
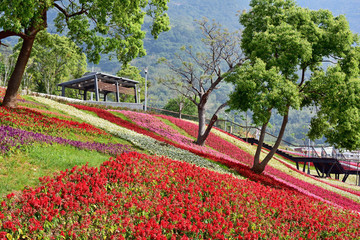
(128, 190)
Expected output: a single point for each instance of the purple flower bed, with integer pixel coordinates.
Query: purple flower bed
(12, 139)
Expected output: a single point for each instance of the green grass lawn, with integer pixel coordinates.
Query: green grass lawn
(24, 168)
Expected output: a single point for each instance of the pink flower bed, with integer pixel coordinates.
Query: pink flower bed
(213, 141)
(318, 191)
(157, 126)
(317, 179)
(233, 164)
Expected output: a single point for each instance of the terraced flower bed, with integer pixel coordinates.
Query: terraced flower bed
(31, 120)
(139, 196)
(340, 198)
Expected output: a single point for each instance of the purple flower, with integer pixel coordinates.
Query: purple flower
(12, 138)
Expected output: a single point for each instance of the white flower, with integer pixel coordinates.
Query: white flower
(144, 142)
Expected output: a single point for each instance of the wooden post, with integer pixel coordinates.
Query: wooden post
(63, 91)
(96, 89)
(85, 93)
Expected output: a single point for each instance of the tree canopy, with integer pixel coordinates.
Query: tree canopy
(182, 105)
(97, 26)
(133, 73)
(54, 59)
(283, 41)
(336, 93)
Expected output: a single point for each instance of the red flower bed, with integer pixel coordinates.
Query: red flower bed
(30, 120)
(269, 179)
(147, 197)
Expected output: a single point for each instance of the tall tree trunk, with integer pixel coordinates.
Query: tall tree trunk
(202, 124)
(260, 167)
(201, 139)
(16, 76)
(47, 84)
(259, 147)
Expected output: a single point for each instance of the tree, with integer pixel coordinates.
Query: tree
(53, 59)
(99, 27)
(338, 117)
(182, 105)
(133, 73)
(281, 39)
(197, 75)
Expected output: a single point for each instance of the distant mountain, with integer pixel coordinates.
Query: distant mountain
(185, 32)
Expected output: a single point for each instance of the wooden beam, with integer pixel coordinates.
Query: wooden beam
(128, 91)
(112, 88)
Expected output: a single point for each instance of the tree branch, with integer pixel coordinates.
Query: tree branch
(302, 77)
(5, 34)
(67, 15)
(329, 61)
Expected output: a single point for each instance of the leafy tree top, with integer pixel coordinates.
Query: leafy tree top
(181, 104)
(290, 37)
(336, 93)
(98, 26)
(283, 41)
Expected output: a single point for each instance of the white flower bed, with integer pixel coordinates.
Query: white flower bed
(144, 142)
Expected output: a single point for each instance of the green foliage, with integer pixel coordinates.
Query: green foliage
(19, 15)
(53, 59)
(112, 26)
(281, 39)
(338, 117)
(98, 26)
(260, 90)
(188, 107)
(7, 62)
(132, 72)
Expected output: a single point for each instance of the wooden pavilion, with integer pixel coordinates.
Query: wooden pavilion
(101, 83)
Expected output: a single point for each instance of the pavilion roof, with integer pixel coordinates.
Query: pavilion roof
(88, 81)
